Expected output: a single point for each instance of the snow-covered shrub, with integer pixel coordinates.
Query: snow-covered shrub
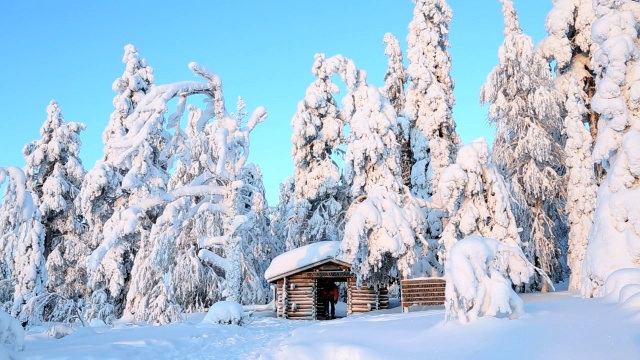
(99, 308)
(480, 273)
(11, 330)
(58, 331)
(226, 313)
(51, 307)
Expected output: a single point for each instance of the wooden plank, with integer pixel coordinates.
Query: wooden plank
(422, 293)
(423, 286)
(425, 303)
(403, 281)
(425, 299)
(425, 296)
(440, 300)
(413, 288)
(326, 274)
(416, 301)
(299, 291)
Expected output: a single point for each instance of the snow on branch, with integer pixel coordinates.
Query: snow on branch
(23, 196)
(214, 259)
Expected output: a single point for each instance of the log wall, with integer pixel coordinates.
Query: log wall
(365, 299)
(296, 298)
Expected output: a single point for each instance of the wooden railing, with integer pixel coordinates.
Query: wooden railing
(422, 292)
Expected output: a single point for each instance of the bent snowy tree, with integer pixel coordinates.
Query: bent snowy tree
(205, 191)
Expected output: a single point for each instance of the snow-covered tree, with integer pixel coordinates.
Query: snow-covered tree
(580, 182)
(373, 154)
(317, 133)
(480, 275)
(430, 99)
(21, 243)
(133, 168)
(395, 78)
(569, 45)
(259, 246)
(614, 239)
(525, 109)
(211, 238)
(477, 199)
(282, 214)
(134, 83)
(102, 192)
(394, 82)
(384, 218)
(380, 235)
(54, 173)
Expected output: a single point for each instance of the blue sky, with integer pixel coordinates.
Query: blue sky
(71, 51)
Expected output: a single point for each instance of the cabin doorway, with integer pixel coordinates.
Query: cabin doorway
(326, 288)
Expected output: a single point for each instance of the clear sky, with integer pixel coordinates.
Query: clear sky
(71, 51)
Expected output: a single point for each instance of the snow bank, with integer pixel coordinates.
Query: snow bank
(10, 329)
(623, 287)
(618, 280)
(301, 257)
(225, 313)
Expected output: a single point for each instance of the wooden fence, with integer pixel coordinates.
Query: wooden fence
(421, 292)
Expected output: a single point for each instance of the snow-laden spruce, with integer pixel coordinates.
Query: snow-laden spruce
(210, 241)
(23, 274)
(282, 213)
(429, 98)
(318, 128)
(525, 109)
(135, 82)
(396, 77)
(54, 171)
(372, 157)
(568, 26)
(480, 274)
(132, 170)
(394, 89)
(569, 47)
(476, 198)
(614, 239)
(384, 219)
(380, 235)
(580, 182)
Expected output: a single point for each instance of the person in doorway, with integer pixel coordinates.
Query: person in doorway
(330, 297)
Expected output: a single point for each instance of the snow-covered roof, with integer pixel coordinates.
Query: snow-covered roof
(303, 258)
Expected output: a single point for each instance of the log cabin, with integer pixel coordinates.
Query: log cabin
(296, 277)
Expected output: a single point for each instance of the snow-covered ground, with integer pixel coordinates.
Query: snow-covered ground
(558, 325)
